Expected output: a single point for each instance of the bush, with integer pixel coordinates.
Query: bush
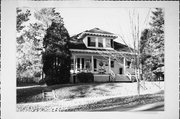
(85, 77)
(133, 79)
(41, 82)
(25, 81)
(37, 74)
(27, 77)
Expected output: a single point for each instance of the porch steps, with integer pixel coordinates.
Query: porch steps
(122, 78)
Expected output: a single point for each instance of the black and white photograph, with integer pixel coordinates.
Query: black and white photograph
(90, 59)
(101, 57)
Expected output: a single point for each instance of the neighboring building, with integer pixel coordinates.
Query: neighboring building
(96, 51)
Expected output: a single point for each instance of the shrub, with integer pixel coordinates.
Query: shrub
(25, 78)
(37, 74)
(133, 79)
(85, 77)
(41, 82)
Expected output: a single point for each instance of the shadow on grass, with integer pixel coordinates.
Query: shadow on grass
(34, 94)
(93, 89)
(122, 103)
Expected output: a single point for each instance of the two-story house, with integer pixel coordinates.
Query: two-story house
(96, 51)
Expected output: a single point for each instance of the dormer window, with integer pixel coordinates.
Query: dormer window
(108, 43)
(91, 42)
(100, 42)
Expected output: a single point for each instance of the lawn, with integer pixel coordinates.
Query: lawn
(88, 97)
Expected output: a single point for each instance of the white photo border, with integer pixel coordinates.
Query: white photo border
(8, 76)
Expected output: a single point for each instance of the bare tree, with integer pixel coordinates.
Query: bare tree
(134, 53)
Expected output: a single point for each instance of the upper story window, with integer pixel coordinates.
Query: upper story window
(100, 42)
(109, 43)
(91, 42)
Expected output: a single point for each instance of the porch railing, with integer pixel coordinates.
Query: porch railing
(129, 75)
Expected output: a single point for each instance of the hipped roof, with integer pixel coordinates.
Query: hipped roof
(77, 40)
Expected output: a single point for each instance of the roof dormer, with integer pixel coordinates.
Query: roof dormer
(98, 39)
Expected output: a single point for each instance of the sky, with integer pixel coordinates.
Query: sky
(114, 20)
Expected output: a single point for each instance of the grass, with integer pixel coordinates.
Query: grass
(34, 93)
(85, 97)
(125, 103)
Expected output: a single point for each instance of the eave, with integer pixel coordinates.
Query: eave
(82, 35)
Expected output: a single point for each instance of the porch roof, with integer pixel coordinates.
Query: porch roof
(99, 51)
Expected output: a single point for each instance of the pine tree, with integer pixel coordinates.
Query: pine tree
(56, 58)
(157, 25)
(152, 47)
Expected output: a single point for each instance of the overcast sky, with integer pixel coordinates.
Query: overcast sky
(115, 20)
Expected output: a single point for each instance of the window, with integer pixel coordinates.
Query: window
(100, 42)
(128, 63)
(112, 44)
(72, 64)
(120, 70)
(112, 64)
(78, 62)
(95, 65)
(108, 43)
(82, 63)
(91, 41)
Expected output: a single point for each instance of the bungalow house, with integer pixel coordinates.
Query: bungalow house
(96, 51)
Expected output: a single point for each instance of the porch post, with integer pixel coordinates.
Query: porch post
(92, 63)
(124, 65)
(109, 64)
(74, 62)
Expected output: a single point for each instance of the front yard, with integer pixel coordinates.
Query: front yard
(88, 97)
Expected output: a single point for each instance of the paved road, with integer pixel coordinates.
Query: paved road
(148, 107)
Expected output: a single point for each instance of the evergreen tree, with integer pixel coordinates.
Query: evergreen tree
(152, 47)
(56, 58)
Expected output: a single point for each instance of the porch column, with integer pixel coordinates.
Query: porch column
(92, 63)
(74, 62)
(124, 65)
(109, 64)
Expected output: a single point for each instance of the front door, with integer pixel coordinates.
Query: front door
(87, 65)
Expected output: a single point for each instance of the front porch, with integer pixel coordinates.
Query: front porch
(96, 63)
(102, 67)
